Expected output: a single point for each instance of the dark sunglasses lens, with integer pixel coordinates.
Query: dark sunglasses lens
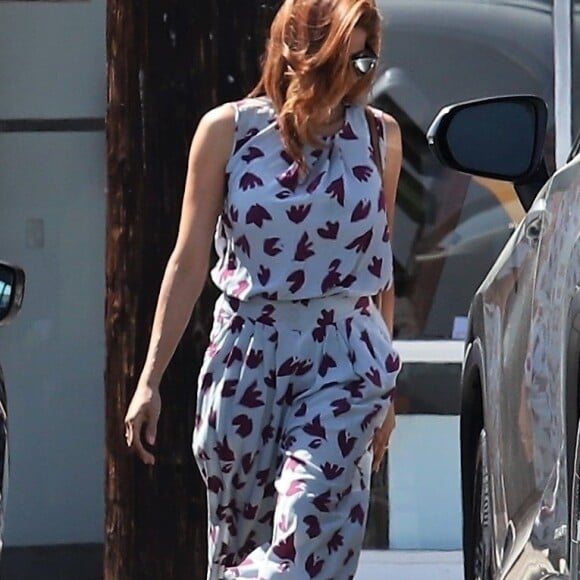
(364, 64)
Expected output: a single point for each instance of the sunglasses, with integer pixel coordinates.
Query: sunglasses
(364, 62)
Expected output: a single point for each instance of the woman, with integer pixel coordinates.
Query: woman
(295, 389)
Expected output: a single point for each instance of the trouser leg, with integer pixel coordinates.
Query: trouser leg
(237, 447)
(240, 497)
(323, 497)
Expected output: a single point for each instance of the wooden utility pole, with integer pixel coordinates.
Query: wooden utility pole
(168, 63)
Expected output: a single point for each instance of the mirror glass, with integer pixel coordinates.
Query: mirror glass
(6, 289)
(495, 138)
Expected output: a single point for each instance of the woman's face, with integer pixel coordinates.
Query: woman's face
(358, 41)
(357, 45)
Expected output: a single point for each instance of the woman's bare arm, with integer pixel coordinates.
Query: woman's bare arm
(392, 170)
(186, 269)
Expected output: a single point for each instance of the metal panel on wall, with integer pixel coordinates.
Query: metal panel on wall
(52, 224)
(52, 60)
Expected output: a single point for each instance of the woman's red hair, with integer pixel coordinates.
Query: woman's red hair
(306, 68)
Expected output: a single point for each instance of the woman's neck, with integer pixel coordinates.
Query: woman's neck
(333, 122)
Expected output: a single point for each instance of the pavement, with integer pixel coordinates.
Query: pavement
(86, 562)
(410, 565)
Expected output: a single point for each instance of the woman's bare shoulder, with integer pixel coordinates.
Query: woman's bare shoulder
(216, 132)
(391, 124)
(392, 132)
(220, 120)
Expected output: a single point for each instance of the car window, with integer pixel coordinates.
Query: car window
(451, 227)
(5, 291)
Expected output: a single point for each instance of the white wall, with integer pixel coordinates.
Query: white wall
(52, 59)
(52, 223)
(425, 483)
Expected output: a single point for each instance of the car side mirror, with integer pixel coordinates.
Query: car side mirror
(499, 137)
(12, 282)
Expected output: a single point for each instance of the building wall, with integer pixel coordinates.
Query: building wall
(52, 59)
(52, 223)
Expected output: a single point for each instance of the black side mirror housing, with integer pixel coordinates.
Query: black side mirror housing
(499, 137)
(12, 282)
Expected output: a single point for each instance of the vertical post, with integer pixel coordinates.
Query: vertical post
(168, 63)
(563, 28)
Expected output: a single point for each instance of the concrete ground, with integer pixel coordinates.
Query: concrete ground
(71, 562)
(74, 562)
(410, 565)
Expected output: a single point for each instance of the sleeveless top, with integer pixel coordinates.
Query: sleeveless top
(281, 237)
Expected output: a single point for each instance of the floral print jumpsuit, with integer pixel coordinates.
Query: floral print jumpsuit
(300, 370)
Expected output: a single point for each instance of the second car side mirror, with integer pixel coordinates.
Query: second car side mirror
(11, 291)
(499, 137)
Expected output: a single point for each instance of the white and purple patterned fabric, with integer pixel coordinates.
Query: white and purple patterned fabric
(289, 239)
(300, 370)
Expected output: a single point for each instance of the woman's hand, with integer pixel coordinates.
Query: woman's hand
(382, 438)
(143, 411)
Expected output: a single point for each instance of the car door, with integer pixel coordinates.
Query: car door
(551, 399)
(11, 297)
(507, 305)
(532, 408)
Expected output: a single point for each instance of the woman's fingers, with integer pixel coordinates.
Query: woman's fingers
(380, 446)
(382, 438)
(133, 428)
(141, 423)
(129, 432)
(151, 432)
(146, 457)
(378, 459)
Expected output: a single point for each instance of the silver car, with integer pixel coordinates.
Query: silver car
(520, 447)
(11, 296)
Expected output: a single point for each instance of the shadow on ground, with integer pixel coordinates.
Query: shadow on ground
(53, 563)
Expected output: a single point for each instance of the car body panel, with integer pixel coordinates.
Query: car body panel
(4, 455)
(12, 282)
(520, 316)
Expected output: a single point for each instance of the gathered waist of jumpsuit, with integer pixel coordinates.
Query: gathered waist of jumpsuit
(297, 315)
